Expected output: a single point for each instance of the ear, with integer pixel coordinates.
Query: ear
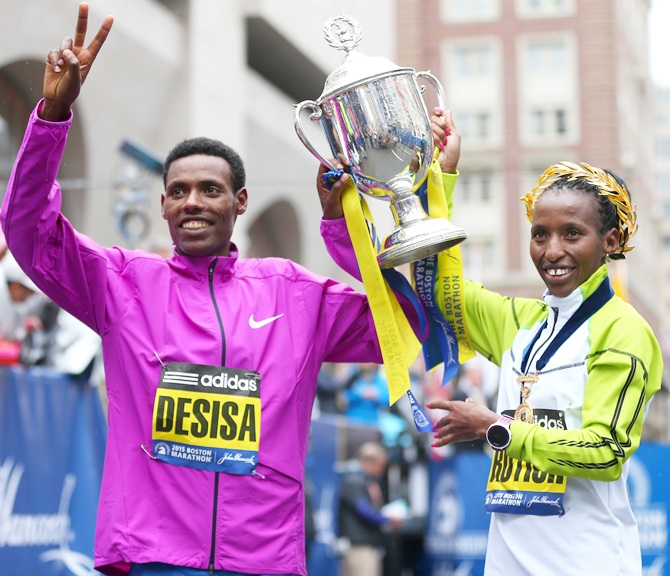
(163, 206)
(241, 198)
(611, 241)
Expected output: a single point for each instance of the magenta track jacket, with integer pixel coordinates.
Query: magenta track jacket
(206, 310)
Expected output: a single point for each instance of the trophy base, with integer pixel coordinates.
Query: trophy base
(418, 240)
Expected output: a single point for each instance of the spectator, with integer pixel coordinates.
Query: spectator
(362, 525)
(329, 388)
(366, 395)
(46, 335)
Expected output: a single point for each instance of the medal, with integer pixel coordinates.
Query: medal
(524, 411)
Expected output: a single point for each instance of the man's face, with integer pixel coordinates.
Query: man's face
(200, 205)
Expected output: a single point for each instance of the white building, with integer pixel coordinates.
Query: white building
(173, 69)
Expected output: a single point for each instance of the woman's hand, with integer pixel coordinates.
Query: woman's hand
(464, 421)
(447, 139)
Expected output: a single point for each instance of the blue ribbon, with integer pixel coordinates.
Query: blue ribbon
(329, 178)
(442, 343)
(421, 419)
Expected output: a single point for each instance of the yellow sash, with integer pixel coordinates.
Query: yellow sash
(398, 343)
(450, 285)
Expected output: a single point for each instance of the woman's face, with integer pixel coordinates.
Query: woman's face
(565, 244)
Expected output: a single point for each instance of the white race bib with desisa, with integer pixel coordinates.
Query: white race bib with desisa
(208, 418)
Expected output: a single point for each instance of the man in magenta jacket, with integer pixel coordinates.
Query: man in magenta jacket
(211, 360)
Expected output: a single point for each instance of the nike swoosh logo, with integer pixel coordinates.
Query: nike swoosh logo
(255, 324)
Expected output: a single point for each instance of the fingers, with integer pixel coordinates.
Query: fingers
(82, 25)
(440, 404)
(440, 128)
(101, 36)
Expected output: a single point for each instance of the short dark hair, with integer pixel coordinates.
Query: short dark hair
(208, 147)
(609, 217)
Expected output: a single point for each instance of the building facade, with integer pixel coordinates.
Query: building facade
(174, 69)
(531, 83)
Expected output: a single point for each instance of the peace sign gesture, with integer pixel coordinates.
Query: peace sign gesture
(68, 66)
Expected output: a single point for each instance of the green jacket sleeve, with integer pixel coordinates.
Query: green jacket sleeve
(625, 367)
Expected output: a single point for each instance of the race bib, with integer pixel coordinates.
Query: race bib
(208, 418)
(516, 487)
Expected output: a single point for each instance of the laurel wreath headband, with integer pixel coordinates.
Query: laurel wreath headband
(606, 184)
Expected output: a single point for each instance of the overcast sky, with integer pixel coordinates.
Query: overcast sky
(659, 42)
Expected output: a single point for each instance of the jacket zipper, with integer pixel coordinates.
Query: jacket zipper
(538, 348)
(223, 361)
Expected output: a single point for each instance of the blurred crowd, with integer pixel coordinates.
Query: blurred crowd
(357, 395)
(35, 331)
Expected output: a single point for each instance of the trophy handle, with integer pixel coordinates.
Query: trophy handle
(314, 117)
(441, 100)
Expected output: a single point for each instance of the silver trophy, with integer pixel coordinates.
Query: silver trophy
(375, 120)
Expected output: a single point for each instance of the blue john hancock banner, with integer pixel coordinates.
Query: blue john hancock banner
(208, 418)
(52, 445)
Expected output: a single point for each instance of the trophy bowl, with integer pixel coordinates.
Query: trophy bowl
(375, 121)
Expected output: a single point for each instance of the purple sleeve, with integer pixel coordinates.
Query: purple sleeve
(338, 244)
(67, 266)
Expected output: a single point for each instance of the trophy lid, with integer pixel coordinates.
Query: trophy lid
(344, 33)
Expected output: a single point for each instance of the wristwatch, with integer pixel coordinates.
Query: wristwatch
(498, 434)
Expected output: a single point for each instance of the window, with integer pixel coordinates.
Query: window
(663, 147)
(466, 254)
(474, 125)
(464, 188)
(486, 187)
(545, 8)
(561, 126)
(457, 11)
(548, 57)
(538, 122)
(549, 122)
(488, 254)
(663, 183)
(473, 61)
(475, 187)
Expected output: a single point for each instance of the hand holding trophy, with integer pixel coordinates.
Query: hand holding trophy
(375, 119)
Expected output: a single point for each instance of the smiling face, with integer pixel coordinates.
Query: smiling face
(566, 244)
(201, 205)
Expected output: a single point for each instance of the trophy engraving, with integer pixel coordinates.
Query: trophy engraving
(374, 117)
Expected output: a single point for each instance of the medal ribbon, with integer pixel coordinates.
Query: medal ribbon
(397, 341)
(587, 309)
(449, 342)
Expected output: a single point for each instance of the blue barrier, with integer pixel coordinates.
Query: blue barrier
(456, 538)
(52, 442)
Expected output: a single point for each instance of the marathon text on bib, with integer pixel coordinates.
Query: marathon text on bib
(208, 418)
(517, 487)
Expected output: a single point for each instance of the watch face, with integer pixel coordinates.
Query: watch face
(498, 436)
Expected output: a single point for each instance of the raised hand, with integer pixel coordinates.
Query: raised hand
(68, 66)
(331, 195)
(447, 139)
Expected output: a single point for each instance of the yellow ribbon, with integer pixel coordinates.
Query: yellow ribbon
(399, 345)
(450, 286)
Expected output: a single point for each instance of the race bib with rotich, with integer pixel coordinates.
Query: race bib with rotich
(207, 417)
(517, 487)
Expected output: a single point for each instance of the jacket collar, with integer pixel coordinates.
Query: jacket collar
(568, 304)
(197, 267)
